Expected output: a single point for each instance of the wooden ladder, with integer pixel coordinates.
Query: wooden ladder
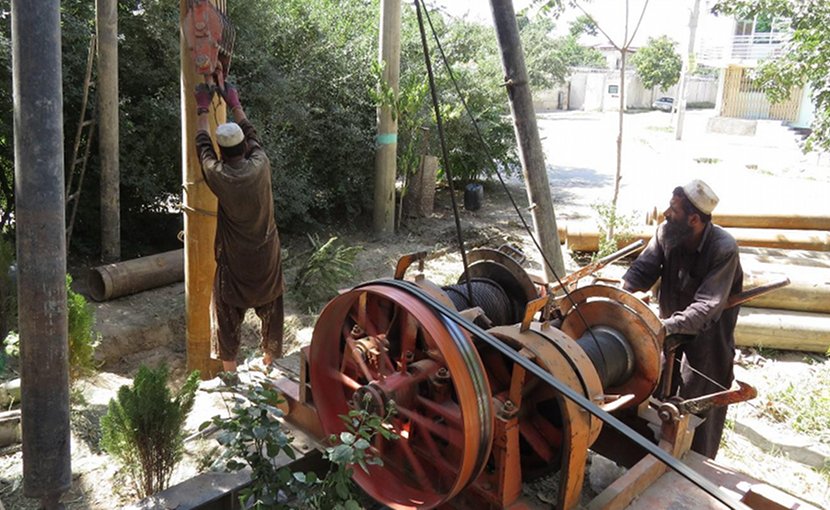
(83, 136)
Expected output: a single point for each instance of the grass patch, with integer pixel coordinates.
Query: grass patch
(804, 404)
(663, 129)
(707, 161)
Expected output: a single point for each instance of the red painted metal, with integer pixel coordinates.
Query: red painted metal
(387, 345)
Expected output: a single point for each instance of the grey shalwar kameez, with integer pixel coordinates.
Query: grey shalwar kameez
(695, 285)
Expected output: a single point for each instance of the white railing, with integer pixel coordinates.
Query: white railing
(759, 46)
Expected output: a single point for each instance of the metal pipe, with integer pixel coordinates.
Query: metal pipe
(41, 249)
(123, 278)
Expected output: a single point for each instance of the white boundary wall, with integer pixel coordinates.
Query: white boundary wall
(588, 90)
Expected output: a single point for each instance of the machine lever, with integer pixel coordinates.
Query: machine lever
(739, 392)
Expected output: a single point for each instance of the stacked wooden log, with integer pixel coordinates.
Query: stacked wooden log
(796, 317)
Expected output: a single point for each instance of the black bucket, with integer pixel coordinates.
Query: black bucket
(473, 197)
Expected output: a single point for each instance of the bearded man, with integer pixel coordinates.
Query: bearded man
(699, 268)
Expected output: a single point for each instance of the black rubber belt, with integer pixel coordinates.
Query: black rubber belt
(675, 464)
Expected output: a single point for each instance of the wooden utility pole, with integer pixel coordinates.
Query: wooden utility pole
(199, 206)
(107, 27)
(527, 134)
(41, 249)
(684, 72)
(387, 137)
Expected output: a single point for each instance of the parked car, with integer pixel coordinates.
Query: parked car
(664, 103)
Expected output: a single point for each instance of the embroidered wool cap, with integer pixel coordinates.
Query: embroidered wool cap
(229, 134)
(701, 196)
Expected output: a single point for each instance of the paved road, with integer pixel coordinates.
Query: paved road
(751, 174)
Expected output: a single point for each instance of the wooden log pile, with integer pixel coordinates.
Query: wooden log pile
(796, 317)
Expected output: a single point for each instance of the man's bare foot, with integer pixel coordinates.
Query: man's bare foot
(267, 359)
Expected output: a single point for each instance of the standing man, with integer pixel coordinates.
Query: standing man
(247, 248)
(700, 268)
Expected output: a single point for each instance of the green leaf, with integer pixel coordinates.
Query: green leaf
(341, 454)
(346, 437)
(342, 490)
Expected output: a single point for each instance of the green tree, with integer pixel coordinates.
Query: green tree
(583, 25)
(804, 61)
(657, 63)
(550, 59)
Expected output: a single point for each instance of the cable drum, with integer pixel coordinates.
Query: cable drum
(610, 354)
(488, 295)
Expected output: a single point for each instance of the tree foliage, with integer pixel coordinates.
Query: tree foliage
(658, 63)
(550, 59)
(805, 59)
(304, 72)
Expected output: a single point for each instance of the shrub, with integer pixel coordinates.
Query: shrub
(8, 290)
(253, 437)
(329, 265)
(618, 225)
(82, 339)
(143, 427)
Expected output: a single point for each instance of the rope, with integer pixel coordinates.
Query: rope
(444, 154)
(203, 212)
(501, 179)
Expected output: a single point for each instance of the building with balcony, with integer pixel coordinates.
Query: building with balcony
(737, 47)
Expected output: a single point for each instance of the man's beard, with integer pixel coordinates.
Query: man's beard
(676, 232)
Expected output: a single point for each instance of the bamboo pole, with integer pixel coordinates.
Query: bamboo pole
(199, 206)
(796, 331)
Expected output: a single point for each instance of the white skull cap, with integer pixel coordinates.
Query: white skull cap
(701, 196)
(229, 134)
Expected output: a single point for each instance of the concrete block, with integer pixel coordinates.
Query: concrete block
(730, 126)
(798, 448)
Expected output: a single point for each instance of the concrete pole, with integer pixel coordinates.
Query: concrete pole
(199, 206)
(107, 27)
(41, 249)
(387, 137)
(684, 72)
(527, 134)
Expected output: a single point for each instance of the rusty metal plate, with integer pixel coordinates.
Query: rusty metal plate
(624, 297)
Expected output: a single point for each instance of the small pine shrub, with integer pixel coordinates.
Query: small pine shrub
(329, 265)
(143, 427)
(82, 339)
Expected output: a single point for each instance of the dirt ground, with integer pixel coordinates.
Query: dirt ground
(148, 328)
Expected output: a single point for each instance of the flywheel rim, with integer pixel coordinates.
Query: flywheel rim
(445, 439)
